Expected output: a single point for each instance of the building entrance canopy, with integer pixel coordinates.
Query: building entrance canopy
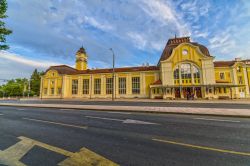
(209, 85)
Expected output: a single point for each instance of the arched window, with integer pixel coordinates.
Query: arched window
(196, 75)
(186, 73)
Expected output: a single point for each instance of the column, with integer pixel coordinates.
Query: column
(48, 90)
(41, 88)
(235, 81)
(79, 88)
(246, 81)
(192, 75)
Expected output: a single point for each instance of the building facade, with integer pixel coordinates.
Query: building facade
(185, 69)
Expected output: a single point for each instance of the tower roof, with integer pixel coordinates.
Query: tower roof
(81, 50)
(174, 42)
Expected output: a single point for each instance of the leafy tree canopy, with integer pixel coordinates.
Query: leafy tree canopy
(3, 31)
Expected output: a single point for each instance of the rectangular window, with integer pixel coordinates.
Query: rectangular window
(210, 90)
(52, 91)
(45, 91)
(59, 91)
(85, 86)
(74, 87)
(240, 80)
(122, 85)
(135, 85)
(225, 90)
(97, 86)
(222, 76)
(109, 85)
(219, 90)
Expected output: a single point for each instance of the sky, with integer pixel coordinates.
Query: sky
(49, 32)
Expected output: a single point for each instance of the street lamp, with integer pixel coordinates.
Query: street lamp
(113, 72)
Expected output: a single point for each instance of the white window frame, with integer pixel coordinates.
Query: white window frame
(122, 85)
(136, 85)
(109, 85)
(97, 86)
(74, 87)
(85, 86)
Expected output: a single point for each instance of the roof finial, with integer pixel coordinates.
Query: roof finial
(175, 35)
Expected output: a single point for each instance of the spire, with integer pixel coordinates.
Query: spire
(175, 35)
(81, 50)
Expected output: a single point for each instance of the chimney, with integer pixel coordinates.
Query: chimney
(238, 59)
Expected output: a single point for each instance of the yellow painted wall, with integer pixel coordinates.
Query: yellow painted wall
(193, 55)
(227, 74)
(149, 80)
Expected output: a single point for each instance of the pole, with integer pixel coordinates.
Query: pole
(113, 73)
(29, 89)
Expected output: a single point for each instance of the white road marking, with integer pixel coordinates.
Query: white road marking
(66, 109)
(96, 117)
(20, 109)
(219, 120)
(126, 113)
(128, 121)
(56, 123)
(1, 114)
(12, 156)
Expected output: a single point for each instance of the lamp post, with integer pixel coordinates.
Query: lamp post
(29, 89)
(113, 73)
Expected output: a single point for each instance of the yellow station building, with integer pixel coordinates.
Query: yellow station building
(185, 69)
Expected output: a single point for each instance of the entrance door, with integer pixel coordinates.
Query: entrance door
(198, 92)
(177, 93)
(242, 93)
(187, 92)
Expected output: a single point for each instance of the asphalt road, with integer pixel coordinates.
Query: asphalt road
(128, 139)
(137, 103)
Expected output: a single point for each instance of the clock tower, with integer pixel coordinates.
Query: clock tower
(81, 59)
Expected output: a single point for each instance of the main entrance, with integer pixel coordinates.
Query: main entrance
(187, 92)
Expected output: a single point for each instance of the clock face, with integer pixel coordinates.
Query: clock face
(184, 52)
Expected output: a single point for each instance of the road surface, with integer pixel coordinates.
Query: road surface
(41, 136)
(137, 103)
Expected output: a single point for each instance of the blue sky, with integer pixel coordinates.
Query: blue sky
(49, 32)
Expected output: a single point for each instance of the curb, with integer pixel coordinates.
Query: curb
(124, 110)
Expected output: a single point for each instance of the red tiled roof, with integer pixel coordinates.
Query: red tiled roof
(158, 82)
(174, 42)
(63, 69)
(223, 63)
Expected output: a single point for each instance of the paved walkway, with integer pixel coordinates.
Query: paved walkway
(143, 109)
(234, 101)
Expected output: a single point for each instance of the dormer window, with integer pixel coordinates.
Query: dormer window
(222, 76)
(238, 69)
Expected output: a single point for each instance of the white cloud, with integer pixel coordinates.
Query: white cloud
(166, 14)
(138, 40)
(22, 60)
(102, 26)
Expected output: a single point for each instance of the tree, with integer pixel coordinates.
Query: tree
(3, 31)
(13, 88)
(35, 82)
(20, 86)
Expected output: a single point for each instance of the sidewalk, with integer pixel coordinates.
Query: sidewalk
(144, 109)
(234, 101)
